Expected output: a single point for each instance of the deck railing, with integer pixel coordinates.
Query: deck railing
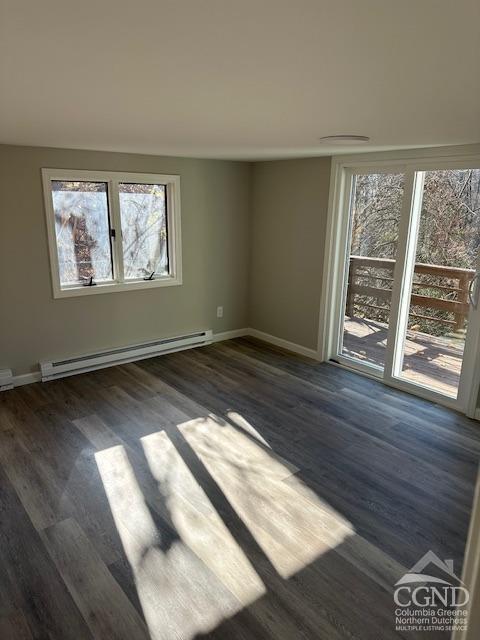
(365, 280)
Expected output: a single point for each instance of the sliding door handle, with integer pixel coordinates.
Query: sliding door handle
(473, 299)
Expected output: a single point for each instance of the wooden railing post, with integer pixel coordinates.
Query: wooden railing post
(463, 283)
(350, 294)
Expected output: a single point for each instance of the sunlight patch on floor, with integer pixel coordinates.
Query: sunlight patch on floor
(179, 595)
(240, 421)
(292, 529)
(197, 522)
(190, 569)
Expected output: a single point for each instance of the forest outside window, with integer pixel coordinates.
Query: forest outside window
(112, 231)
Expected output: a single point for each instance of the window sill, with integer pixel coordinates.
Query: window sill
(114, 287)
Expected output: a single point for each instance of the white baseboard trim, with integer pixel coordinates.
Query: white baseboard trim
(284, 344)
(229, 335)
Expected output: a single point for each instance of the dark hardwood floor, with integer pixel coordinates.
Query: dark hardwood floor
(234, 491)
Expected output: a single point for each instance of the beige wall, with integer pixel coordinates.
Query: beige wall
(289, 211)
(215, 227)
(252, 239)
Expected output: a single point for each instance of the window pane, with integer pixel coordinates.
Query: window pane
(82, 230)
(446, 258)
(374, 220)
(144, 229)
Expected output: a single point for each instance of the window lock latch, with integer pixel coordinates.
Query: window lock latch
(150, 277)
(90, 283)
(113, 233)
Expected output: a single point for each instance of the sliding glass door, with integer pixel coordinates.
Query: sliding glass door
(409, 277)
(446, 248)
(375, 209)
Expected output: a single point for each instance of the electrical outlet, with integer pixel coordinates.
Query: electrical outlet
(219, 312)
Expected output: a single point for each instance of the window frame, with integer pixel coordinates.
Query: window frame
(112, 180)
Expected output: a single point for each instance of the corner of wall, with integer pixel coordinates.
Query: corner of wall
(288, 213)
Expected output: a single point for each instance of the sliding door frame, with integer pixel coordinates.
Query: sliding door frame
(403, 273)
(412, 164)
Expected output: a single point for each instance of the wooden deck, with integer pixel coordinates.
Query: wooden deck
(429, 360)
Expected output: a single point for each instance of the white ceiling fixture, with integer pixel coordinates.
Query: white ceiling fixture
(238, 79)
(344, 139)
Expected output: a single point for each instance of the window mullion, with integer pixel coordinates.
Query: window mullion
(117, 246)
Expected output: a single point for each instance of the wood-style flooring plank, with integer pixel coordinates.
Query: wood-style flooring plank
(104, 606)
(13, 626)
(30, 578)
(232, 491)
(39, 496)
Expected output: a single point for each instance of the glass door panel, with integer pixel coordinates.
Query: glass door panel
(447, 247)
(375, 211)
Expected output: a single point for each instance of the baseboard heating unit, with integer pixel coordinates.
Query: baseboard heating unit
(102, 359)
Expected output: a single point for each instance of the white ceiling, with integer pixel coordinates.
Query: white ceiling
(239, 78)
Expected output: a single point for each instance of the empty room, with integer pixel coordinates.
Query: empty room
(239, 320)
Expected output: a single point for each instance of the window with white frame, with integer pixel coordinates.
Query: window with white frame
(110, 231)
